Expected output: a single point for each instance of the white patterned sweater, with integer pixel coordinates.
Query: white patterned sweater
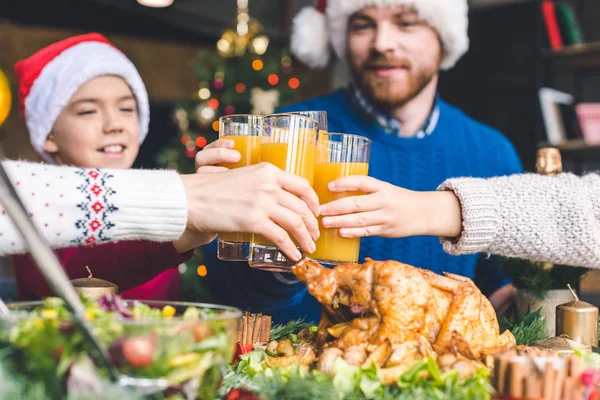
(550, 219)
(78, 206)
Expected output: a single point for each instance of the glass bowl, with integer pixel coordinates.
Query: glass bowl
(177, 348)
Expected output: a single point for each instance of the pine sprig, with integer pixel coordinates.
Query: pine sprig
(528, 329)
(281, 331)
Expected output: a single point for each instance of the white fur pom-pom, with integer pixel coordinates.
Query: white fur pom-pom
(310, 38)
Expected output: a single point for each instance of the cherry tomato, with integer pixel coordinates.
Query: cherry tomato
(139, 351)
(201, 332)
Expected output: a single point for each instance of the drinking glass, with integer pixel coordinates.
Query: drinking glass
(340, 155)
(245, 131)
(290, 143)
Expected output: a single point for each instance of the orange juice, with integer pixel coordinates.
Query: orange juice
(322, 147)
(330, 246)
(296, 157)
(248, 146)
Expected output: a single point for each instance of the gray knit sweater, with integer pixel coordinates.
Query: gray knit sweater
(550, 219)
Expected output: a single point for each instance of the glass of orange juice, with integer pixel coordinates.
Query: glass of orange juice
(341, 154)
(290, 143)
(245, 131)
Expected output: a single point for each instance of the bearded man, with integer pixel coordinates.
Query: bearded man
(394, 51)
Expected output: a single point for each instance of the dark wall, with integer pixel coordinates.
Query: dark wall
(497, 81)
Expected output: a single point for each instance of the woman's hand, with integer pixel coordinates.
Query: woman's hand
(390, 211)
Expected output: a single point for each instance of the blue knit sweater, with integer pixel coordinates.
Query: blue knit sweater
(459, 146)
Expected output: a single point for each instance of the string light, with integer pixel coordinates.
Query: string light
(286, 61)
(218, 84)
(260, 44)
(240, 88)
(191, 153)
(257, 65)
(204, 93)
(213, 103)
(190, 145)
(200, 142)
(185, 139)
(215, 126)
(202, 270)
(294, 83)
(229, 109)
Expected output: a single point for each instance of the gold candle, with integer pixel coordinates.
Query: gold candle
(93, 288)
(578, 320)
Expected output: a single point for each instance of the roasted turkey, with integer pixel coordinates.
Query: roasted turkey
(393, 314)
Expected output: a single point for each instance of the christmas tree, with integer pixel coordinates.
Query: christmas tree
(242, 75)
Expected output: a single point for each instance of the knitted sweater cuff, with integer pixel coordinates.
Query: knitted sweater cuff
(153, 206)
(480, 215)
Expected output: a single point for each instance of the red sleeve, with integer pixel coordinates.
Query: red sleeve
(127, 264)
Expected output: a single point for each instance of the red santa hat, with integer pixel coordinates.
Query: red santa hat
(49, 78)
(317, 30)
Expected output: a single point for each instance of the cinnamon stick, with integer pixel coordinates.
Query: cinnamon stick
(248, 330)
(240, 330)
(575, 366)
(501, 366)
(257, 329)
(533, 383)
(268, 329)
(244, 329)
(517, 375)
(559, 380)
(568, 389)
(548, 381)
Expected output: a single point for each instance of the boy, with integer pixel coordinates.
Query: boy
(85, 105)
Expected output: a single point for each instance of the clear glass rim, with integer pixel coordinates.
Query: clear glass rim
(364, 139)
(270, 117)
(242, 116)
(305, 113)
(226, 312)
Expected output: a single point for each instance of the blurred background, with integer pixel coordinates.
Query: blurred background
(535, 84)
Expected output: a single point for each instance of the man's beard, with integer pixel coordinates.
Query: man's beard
(389, 93)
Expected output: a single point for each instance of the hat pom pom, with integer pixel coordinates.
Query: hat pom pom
(309, 39)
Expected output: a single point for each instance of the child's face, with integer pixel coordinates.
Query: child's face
(98, 127)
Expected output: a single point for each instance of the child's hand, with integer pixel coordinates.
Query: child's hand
(390, 211)
(213, 155)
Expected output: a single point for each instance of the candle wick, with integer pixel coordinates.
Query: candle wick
(89, 271)
(572, 292)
